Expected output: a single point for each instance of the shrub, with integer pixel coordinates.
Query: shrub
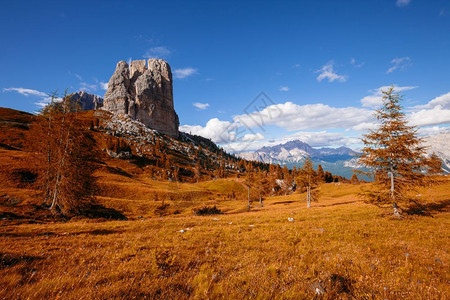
(207, 210)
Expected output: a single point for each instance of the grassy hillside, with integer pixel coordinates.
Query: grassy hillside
(340, 247)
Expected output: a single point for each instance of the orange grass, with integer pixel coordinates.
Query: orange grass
(240, 254)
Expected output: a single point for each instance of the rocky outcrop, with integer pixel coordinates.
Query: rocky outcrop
(87, 101)
(143, 90)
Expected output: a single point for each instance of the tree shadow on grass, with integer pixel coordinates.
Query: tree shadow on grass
(8, 260)
(96, 211)
(54, 234)
(118, 171)
(283, 202)
(428, 209)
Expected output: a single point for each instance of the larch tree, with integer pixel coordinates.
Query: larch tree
(63, 156)
(320, 173)
(249, 182)
(393, 152)
(354, 179)
(308, 178)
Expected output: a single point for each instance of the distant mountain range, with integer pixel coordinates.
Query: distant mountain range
(339, 161)
(296, 152)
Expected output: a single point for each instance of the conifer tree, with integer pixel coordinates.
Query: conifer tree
(328, 177)
(63, 155)
(354, 179)
(394, 152)
(308, 178)
(320, 173)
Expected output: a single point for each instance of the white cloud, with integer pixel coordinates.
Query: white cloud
(240, 134)
(25, 92)
(402, 3)
(43, 102)
(435, 112)
(183, 73)
(442, 100)
(365, 126)
(400, 63)
(250, 137)
(327, 72)
(43, 98)
(215, 129)
(201, 106)
(103, 85)
(376, 98)
(291, 116)
(78, 76)
(318, 138)
(312, 123)
(435, 116)
(157, 52)
(284, 88)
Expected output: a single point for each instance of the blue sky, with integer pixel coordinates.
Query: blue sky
(320, 63)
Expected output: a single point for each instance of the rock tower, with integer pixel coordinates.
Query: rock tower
(143, 90)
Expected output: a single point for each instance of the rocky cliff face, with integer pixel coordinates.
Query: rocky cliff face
(87, 101)
(143, 90)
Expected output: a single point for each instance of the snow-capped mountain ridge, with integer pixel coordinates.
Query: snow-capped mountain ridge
(341, 161)
(296, 151)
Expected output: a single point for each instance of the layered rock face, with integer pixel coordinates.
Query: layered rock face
(143, 90)
(87, 101)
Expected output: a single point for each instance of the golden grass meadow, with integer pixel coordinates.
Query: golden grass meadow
(340, 248)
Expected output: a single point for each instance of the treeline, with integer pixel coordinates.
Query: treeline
(200, 164)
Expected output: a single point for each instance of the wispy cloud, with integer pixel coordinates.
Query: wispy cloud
(45, 101)
(402, 3)
(183, 73)
(25, 92)
(375, 99)
(88, 87)
(201, 106)
(42, 98)
(157, 52)
(399, 63)
(355, 63)
(251, 137)
(327, 72)
(284, 88)
(103, 85)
